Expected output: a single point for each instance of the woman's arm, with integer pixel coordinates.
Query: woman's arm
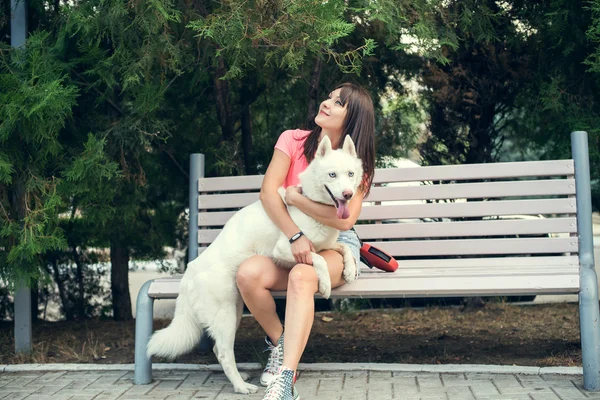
(323, 213)
(276, 209)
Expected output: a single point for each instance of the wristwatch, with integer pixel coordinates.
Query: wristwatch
(296, 237)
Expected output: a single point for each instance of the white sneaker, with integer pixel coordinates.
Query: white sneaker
(282, 386)
(274, 362)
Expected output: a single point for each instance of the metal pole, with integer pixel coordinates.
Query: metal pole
(18, 35)
(18, 22)
(589, 314)
(23, 318)
(142, 372)
(196, 172)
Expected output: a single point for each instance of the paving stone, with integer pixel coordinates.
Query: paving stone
(110, 394)
(571, 393)
(53, 397)
(453, 379)
(543, 394)
(484, 388)
(15, 396)
(354, 396)
(459, 393)
(382, 392)
(406, 386)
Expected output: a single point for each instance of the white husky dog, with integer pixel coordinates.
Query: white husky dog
(209, 297)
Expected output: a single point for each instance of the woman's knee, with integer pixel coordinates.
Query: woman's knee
(303, 277)
(250, 272)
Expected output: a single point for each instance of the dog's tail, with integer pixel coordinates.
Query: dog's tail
(179, 337)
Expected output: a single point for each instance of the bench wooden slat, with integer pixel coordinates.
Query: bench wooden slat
(479, 190)
(472, 271)
(479, 246)
(486, 260)
(447, 229)
(429, 267)
(458, 286)
(431, 173)
(230, 183)
(469, 209)
(491, 262)
(470, 247)
(467, 228)
(437, 210)
(476, 171)
(430, 192)
(226, 200)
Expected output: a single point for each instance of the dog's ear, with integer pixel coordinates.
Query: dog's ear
(349, 146)
(324, 147)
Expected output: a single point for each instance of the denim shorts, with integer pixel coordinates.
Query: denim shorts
(350, 238)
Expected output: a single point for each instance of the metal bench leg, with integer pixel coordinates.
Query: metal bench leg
(143, 330)
(590, 330)
(589, 316)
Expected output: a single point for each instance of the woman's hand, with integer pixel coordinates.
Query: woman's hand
(301, 249)
(292, 193)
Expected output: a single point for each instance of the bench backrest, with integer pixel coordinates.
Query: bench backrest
(517, 208)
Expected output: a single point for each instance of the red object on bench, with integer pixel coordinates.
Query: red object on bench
(378, 258)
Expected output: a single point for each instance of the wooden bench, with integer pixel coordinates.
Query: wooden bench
(518, 228)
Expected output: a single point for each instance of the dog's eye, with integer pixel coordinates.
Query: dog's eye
(350, 174)
(332, 175)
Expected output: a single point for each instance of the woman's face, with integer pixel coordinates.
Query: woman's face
(332, 113)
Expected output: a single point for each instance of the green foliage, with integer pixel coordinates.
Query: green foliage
(34, 105)
(562, 94)
(420, 26)
(399, 129)
(469, 96)
(86, 179)
(593, 34)
(35, 100)
(281, 33)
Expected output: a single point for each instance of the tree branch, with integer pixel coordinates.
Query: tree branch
(109, 101)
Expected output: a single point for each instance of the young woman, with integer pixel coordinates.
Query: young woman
(347, 111)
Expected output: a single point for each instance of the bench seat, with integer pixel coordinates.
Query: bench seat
(441, 278)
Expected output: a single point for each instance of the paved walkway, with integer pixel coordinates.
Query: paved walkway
(322, 381)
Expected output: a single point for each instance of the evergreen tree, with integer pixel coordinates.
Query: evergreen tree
(37, 166)
(563, 94)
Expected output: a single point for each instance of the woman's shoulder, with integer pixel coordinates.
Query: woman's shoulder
(297, 134)
(292, 141)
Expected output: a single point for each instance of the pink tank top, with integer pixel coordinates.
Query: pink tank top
(291, 142)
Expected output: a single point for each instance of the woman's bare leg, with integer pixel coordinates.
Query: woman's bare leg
(300, 306)
(256, 277)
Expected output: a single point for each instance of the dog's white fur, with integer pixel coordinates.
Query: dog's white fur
(209, 297)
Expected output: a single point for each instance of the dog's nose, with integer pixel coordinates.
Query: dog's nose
(347, 194)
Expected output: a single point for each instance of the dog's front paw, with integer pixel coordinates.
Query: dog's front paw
(324, 288)
(349, 273)
(247, 388)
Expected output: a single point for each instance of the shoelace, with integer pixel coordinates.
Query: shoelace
(275, 389)
(275, 358)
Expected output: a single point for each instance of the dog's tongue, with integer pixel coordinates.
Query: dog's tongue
(342, 211)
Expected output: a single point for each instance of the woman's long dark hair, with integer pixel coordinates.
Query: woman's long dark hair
(359, 124)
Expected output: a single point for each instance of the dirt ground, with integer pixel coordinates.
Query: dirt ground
(535, 335)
